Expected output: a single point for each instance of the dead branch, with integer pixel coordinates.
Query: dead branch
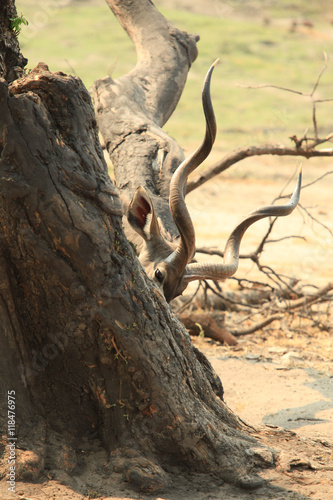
(278, 304)
(209, 324)
(247, 152)
(314, 219)
(308, 299)
(189, 301)
(256, 326)
(227, 301)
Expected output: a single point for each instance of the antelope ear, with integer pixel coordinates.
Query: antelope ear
(141, 215)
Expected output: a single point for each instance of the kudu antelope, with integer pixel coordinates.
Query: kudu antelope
(169, 263)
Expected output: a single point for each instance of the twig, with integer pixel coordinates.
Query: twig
(307, 300)
(271, 86)
(318, 179)
(322, 71)
(228, 300)
(316, 220)
(253, 283)
(189, 301)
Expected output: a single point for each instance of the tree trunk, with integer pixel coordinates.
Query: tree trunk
(88, 343)
(132, 109)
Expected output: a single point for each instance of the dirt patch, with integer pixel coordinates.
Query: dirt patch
(274, 388)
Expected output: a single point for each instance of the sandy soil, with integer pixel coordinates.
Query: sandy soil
(273, 379)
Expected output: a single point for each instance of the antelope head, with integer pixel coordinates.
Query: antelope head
(167, 261)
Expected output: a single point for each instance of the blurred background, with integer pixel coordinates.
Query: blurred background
(279, 42)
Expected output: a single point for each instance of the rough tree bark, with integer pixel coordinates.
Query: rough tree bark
(12, 61)
(88, 344)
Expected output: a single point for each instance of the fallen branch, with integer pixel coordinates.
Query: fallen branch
(256, 326)
(207, 323)
(307, 300)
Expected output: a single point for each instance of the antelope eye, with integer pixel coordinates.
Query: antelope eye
(159, 276)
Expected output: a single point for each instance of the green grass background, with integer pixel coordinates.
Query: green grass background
(85, 39)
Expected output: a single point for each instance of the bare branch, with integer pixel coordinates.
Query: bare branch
(316, 220)
(293, 236)
(271, 86)
(182, 308)
(256, 326)
(247, 152)
(244, 283)
(324, 100)
(227, 300)
(317, 180)
(308, 299)
(314, 121)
